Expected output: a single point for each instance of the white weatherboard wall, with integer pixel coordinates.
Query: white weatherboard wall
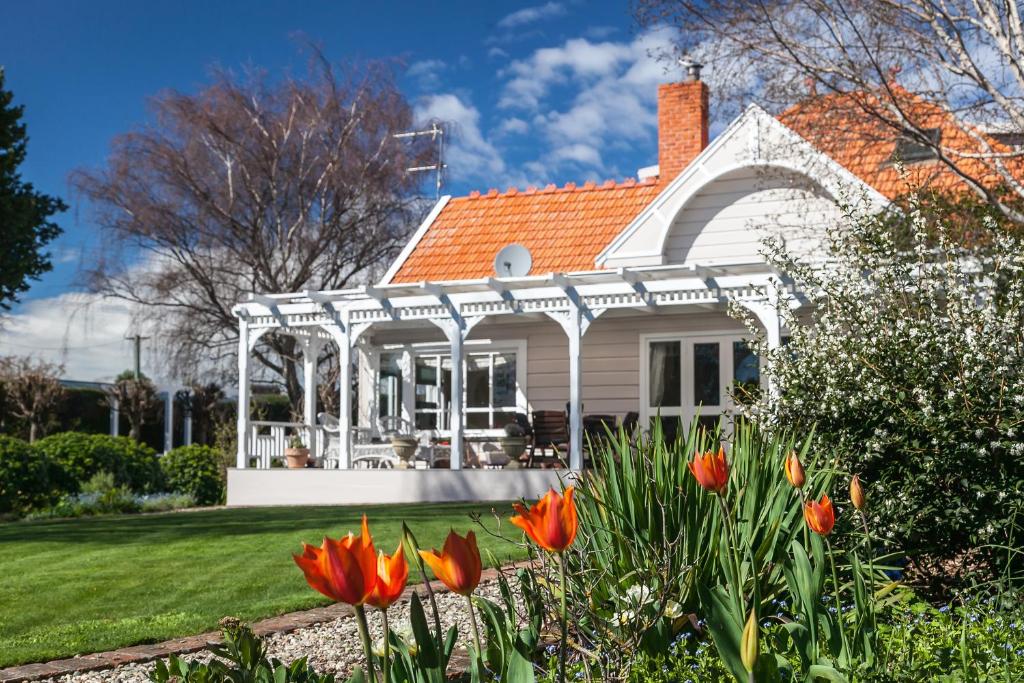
(262, 488)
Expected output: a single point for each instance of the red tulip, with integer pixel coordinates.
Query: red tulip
(344, 570)
(458, 565)
(392, 575)
(551, 522)
(795, 471)
(820, 516)
(711, 470)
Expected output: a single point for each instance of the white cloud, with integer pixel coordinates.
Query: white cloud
(612, 100)
(427, 73)
(512, 126)
(84, 332)
(529, 15)
(469, 155)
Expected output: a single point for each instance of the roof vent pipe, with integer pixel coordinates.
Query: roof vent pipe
(692, 68)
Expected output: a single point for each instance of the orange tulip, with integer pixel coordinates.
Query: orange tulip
(392, 575)
(551, 522)
(458, 565)
(711, 470)
(857, 493)
(344, 570)
(820, 516)
(795, 471)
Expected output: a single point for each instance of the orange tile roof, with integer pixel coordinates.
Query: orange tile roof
(864, 145)
(564, 229)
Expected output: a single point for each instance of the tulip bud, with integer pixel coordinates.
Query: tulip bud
(795, 471)
(857, 493)
(749, 643)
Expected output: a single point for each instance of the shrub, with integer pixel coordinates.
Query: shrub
(195, 470)
(165, 502)
(24, 477)
(912, 369)
(80, 456)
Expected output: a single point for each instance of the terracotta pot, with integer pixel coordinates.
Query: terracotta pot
(297, 457)
(514, 446)
(404, 446)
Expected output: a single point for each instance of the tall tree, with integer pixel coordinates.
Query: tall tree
(25, 225)
(887, 68)
(254, 185)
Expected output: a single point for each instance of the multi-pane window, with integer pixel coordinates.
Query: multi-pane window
(491, 390)
(389, 385)
(696, 377)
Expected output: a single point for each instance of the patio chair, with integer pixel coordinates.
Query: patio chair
(332, 449)
(549, 433)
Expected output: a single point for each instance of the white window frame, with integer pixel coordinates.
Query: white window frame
(726, 370)
(472, 346)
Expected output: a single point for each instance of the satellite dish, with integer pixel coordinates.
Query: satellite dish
(513, 260)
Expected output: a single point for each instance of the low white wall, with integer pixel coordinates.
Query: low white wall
(253, 487)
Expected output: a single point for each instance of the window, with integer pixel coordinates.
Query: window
(692, 377)
(389, 385)
(665, 374)
(746, 372)
(491, 389)
(910, 148)
(433, 387)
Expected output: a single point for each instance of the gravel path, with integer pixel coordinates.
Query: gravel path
(330, 646)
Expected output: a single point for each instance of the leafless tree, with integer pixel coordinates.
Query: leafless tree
(906, 67)
(254, 185)
(135, 399)
(33, 391)
(201, 402)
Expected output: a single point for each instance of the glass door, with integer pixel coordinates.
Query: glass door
(691, 378)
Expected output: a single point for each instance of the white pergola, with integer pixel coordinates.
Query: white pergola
(573, 300)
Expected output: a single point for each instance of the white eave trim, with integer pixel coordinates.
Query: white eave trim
(411, 245)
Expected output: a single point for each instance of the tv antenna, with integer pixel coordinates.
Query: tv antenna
(513, 260)
(436, 133)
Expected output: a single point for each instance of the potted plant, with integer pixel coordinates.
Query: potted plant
(404, 445)
(514, 442)
(297, 454)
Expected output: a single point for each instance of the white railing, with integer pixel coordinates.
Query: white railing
(268, 441)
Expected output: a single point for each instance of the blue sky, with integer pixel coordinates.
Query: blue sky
(538, 92)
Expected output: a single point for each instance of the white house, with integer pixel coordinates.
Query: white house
(621, 313)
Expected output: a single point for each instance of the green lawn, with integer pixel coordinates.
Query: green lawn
(89, 585)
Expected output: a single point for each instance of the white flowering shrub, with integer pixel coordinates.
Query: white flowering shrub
(909, 364)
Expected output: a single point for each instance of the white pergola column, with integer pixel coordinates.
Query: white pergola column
(115, 417)
(345, 397)
(456, 330)
(767, 313)
(310, 355)
(345, 335)
(242, 458)
(575, 323)
(169, 420)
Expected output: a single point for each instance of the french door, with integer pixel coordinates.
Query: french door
(693, 377)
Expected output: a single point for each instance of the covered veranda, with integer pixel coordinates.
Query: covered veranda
(573, 301)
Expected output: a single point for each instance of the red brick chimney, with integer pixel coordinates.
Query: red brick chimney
(682, 123)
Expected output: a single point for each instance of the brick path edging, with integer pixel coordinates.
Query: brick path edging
(138, 654)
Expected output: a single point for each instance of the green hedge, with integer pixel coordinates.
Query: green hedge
(24, 477)
(195, 470)
(79, 456)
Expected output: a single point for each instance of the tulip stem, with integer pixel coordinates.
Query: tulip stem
(839, 603)
(386, 664)
(561, 649)
(364, 635)
(476, 630)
